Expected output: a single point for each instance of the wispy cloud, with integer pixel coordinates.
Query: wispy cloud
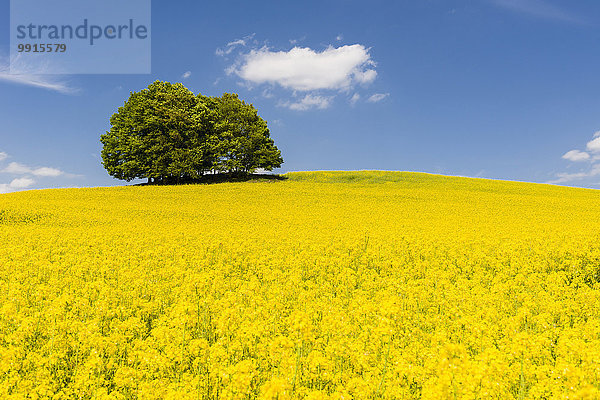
(540, 9)
(355, 97)
(267, 93)
(296, 41)
(308, 102)
(21, 169)
(186, 74)
(48, 82)
(564, 177)
(377, 97)
(231, 46)
(39, 81)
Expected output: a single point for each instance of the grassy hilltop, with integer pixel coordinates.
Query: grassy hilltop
(327, 285)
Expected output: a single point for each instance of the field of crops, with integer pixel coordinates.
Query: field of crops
(361, 285)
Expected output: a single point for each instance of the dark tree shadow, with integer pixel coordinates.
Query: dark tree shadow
(217, 178)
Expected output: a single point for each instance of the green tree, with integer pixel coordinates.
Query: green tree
(241, 140)
(167, 134)
(159, 133)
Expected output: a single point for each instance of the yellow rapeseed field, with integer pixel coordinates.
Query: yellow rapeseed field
(366, 285)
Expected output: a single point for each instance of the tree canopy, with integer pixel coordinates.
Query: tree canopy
(166, 133)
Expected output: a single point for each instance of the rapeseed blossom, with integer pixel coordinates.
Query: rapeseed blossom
(326, 286)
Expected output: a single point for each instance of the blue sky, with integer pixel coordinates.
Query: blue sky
(502, 89)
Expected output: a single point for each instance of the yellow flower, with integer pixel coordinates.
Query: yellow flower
(328, 285)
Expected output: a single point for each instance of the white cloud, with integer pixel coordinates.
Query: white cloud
(312, 77)
(377, 97)
(367, 76)
(15, 184)
(594, 144)
(30, 175)
(16, 168)
(21, 183)
(592, 155)
(20, 169)
(186, 74)
(539, 9)
(304, 69)
(47, 171)
(576, 155)
(308, 102)
(339, 37)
